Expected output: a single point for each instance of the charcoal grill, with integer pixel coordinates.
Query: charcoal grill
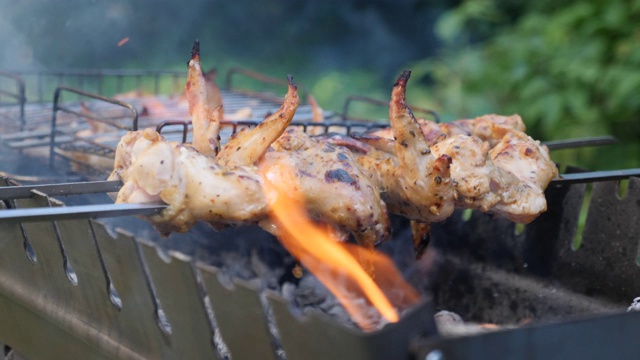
(70, 284)
(72, 287)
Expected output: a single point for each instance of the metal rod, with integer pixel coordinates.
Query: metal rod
(75, 188)
(594, 176)
(79, 212)
(57, 107)
(576, 143)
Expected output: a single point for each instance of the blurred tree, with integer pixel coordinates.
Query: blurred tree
(571, 69)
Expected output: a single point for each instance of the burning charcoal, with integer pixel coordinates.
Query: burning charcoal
(635, 305)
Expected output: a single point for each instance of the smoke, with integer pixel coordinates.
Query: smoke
(293, 35)
(16, 51)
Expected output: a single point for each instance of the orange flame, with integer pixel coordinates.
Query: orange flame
(335, 264)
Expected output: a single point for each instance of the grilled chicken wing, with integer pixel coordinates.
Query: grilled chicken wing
(204, 117)
(413, 183)
(248, 145)
(214, 98)
(228, 189)
(195, 187)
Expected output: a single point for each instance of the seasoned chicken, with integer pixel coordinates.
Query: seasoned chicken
(195, 186)
(413, 183)
(214, 98)
(248, 145)
(335, 186)
(228, 189)
(489, 128)
(529, 161)
(205, 118)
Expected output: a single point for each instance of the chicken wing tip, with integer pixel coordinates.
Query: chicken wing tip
(195, 50)
(403, 78)
(290, 80)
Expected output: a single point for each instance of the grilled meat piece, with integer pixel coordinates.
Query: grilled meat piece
(529, 161)
(195, 186)
(228, 189)
(248, 145)
(489, 128)
(205, 118)
(413, 183)
(214, 98)
(335, 188)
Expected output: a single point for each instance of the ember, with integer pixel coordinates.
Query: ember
(335, 264)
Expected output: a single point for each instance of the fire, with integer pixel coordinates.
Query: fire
(335, 264)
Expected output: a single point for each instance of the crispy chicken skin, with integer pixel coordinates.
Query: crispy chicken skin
(489, 128)
(334, 186)
(413, 183)
(204, 117)
(529, 161)
(214, 98)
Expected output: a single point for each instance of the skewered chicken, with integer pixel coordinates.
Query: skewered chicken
(413, 183)
(354, 205)
(421, 171)
(334, 185)
(228, 190)
(508, 180)
(194, 186)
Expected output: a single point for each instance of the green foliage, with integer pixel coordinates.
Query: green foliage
(571, 69)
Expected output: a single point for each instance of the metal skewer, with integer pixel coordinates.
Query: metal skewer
(593, 176)
(576, 143)
(74, 188)
(79, 212)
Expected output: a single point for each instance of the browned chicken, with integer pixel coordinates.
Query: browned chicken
(489, 128)
(492, 166)
(413, 183)
(334, 186)
(195, 186)
(529, 161)
(214, 98)
(248, 145)
(205, 118)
